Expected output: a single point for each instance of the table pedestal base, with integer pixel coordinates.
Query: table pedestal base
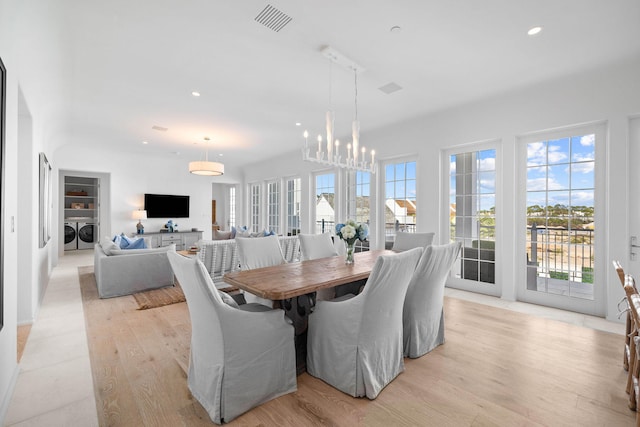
(298, 310)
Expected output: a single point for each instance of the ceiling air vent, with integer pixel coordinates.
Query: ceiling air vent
(273, 18)
(389, 88)
(159, 128)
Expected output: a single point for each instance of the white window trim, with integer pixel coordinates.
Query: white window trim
(337, 194)
(380, 178)
(494, 289)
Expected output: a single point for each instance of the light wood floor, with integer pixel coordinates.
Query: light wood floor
(23, 335)
(497, 367)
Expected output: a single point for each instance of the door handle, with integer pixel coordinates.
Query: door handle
(633, 245)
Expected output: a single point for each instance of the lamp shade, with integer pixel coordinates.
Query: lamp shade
(206, 168)
(139, 214)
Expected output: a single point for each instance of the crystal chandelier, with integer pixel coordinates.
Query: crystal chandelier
(355, 155)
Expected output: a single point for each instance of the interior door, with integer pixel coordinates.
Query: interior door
(630, 263)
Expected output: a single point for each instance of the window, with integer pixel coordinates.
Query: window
(273, 206)
(400, 198)
(472, 213)
(560, 214)
(294, 195)
(232, 207)
(255, 207)
(363, 190)
(325, 202)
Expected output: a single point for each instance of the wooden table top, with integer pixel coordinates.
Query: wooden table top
(298, 278)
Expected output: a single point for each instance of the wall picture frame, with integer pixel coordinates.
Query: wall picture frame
(45, 200)
(3, 100)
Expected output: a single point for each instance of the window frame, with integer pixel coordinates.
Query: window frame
(494, 289)
(316, 228)
(597, 306)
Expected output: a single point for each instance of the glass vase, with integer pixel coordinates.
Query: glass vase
(349, 254)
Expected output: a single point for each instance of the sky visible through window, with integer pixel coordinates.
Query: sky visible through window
(486, 184)
(563, 171)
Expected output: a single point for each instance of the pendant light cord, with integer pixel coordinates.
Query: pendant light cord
(355, 73)
(330, 82)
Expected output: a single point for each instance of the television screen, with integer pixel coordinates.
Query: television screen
(166, 206)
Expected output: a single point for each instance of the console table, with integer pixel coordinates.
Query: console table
(182, 239)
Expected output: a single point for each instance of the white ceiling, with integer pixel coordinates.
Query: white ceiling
(135, 64)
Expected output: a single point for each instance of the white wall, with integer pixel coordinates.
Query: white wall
(611, 95)
(133, 175)
(31, 40)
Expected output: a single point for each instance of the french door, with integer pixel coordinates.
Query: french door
(472, 216)
(561, 180)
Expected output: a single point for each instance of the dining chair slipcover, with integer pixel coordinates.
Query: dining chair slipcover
(258, 252)
(355, 345)
(239, 359)
(405, 241)
(314, 246)
(423, 314)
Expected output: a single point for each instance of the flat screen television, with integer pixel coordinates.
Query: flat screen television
(166, 206)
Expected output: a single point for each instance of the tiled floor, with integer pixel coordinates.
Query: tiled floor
(55, 387)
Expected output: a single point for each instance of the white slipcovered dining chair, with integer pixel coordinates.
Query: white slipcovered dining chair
(355, 344)
(314, 246)
(239, 359)
(405, 241)
(258, 252)
(423, 314)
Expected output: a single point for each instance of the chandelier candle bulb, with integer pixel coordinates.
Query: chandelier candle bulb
(330, 123)
(355, 134)
(319, 152)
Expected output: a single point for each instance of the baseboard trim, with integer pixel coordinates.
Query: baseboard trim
(7, 397)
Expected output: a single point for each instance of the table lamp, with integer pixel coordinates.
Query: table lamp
(140, 214)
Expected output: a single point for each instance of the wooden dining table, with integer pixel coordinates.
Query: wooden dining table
(285, 281)
(293, 287)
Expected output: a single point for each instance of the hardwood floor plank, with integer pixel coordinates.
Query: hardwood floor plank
(497, 367)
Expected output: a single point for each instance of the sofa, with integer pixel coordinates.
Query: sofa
(127, 271)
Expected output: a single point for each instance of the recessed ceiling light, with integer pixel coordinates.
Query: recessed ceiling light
(298, 124)
(145, 142)
(220, 154)
(195, 93)
(533, 31)
(395, 29)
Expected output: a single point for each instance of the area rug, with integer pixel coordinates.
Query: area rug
(145, 300)
(159, 297)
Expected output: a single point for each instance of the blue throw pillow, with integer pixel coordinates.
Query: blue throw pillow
(136, 244)
(233, 232)
(121, 243)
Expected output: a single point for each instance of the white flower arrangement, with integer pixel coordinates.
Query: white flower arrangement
(351, 231)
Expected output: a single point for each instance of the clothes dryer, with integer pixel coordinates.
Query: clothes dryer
(86, 235)
(70, 236)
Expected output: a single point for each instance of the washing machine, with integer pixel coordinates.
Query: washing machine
(86, 235)
(70, 236)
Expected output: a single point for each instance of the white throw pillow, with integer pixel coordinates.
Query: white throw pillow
(108, 246)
